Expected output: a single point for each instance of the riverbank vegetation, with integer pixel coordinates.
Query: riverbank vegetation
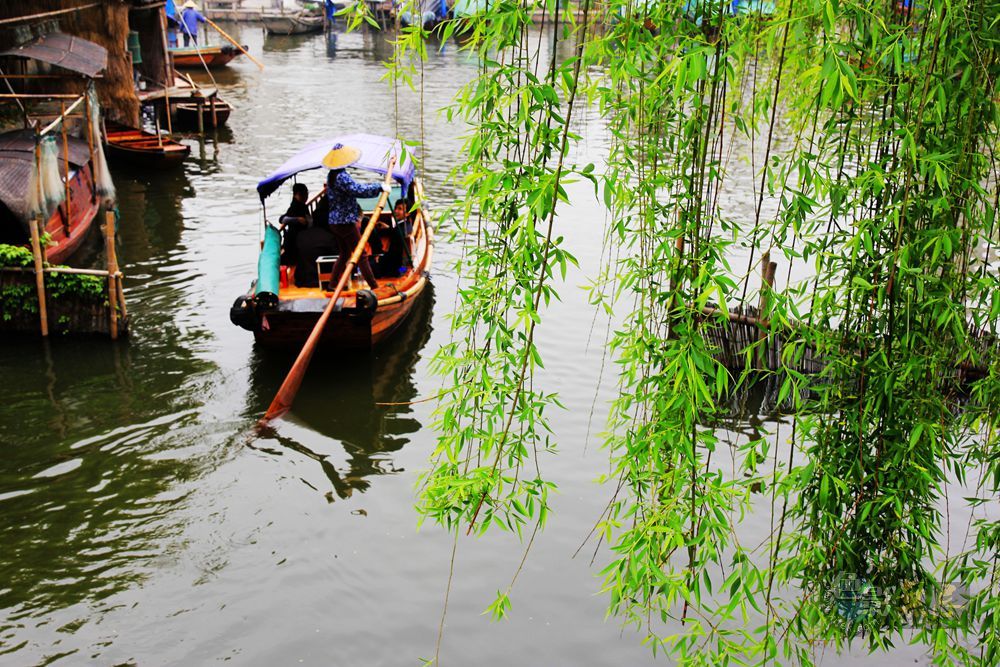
(883, 194)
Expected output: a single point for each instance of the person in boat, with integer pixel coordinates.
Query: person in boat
(173, 21)
(342, 193)
(190, 18)
(310, 244)
(295, 220)
(388, 264)
(321, 210)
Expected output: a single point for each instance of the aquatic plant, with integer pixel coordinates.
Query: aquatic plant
(884, 193)
(16, 297)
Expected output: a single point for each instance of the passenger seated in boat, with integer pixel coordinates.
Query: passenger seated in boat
(321, 211)
(401, 218)
(295, 220)
(311, 243)
(388, 264)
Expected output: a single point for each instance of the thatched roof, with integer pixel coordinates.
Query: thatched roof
(102, 22)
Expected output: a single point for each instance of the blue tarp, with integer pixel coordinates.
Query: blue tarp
(375, 151)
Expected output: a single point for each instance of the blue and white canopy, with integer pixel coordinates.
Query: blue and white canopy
(375, 153)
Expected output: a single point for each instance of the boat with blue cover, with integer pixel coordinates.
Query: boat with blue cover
(282, 313)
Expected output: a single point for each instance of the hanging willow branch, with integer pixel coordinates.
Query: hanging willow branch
(877, 123)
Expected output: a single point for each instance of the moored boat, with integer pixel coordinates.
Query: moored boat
(214, 112)
(71, 219)
(300, 23)
(46, 173)
(281, 313)
(204, 56)
(142, 148)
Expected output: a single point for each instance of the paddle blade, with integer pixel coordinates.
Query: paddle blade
(283, 400)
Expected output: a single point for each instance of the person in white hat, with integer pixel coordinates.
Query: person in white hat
(342, 192)
(190, 18)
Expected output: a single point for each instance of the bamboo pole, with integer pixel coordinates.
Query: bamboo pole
(167, 79)
(36, 251)
(211, 105)
(67, 196)
(767, 271)
(109, 246)
(38, 96)
(159, 137)
(43, 15)
(234, 43)
(90, 148)
(69, 110)
(100, 273)
(121, 296)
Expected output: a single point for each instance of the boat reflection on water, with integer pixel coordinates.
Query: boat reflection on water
(342, 398)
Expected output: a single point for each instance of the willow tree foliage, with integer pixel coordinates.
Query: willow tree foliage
(883, 194)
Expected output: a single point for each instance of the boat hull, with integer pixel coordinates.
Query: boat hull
(144, 149)
(347, 329)
(186, 114)
(292, 25)
(213, 56)
(84, 206)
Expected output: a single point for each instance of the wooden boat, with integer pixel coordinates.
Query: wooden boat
(300, 23)
(212, 56)
(71, 220)
(214, 114)
(142, 148)
(282, 314)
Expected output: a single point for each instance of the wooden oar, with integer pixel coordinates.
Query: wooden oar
(282, 402)
(234, 42)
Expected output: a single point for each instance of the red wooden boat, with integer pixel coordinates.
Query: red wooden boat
(71, 220)
(142, 148)
(211, 56)
(282, 314)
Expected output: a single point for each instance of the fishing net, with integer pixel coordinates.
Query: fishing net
(102, 176)
(45, 187)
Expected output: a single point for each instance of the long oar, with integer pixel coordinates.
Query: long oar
(286, 394)
(234, 42)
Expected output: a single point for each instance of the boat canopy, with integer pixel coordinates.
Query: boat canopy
(375, 151)
(66, 51)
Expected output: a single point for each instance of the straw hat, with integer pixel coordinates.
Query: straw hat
(190, 5)
(341, 156)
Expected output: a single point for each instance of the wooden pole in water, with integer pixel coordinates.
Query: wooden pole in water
(109, 246)
(211, 103)
(36, 251)
(159, 137)
(167, 79)
(767, 271)
(234, 43)
(65, 138)
(201, 117)
(90, 145)
(282, 402)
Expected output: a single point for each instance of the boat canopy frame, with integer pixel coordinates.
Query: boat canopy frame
(375, 153)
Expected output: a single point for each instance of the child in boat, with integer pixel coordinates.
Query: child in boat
(388, 264)
(295, 219)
